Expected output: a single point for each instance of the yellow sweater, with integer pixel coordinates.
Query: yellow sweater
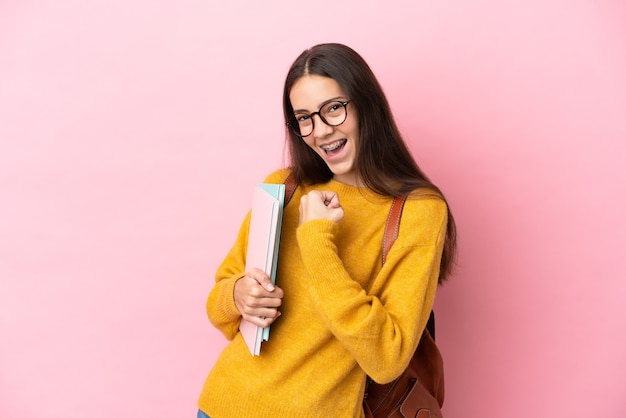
(343, 316)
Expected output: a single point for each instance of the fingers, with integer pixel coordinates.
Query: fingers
(262, 322)
(262, 278)
(261, 312)
(319, 204)
(254, 301)
(330, 199)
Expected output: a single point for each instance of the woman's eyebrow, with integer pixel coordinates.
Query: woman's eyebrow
(320, 106)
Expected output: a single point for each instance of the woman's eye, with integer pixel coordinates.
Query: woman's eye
(332, 108)
(302, 118)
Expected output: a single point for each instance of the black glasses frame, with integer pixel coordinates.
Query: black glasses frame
(296, 128)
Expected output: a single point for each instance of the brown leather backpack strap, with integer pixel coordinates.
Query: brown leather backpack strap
(393, 225)
(424, 374)
(290, 187)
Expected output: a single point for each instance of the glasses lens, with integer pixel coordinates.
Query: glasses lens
(302, 125)
(333, 113)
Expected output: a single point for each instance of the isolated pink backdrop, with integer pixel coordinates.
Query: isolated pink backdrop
(132, 133)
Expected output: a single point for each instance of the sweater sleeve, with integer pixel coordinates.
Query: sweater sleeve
(380, 326)
(221, 308)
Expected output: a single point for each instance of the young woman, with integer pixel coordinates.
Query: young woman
(337, 314)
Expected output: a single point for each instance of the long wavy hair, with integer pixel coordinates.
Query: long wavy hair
(383, 161)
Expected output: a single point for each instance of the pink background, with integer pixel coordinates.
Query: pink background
(132, 133)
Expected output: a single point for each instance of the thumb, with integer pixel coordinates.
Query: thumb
(263, 279)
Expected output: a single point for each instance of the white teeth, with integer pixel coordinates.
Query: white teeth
(334, 145)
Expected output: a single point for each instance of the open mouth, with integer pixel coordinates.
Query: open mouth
(334, 147)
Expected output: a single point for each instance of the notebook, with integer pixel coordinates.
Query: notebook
(263, 241)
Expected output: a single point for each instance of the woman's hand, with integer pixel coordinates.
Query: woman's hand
(257, 299)
(320, 205)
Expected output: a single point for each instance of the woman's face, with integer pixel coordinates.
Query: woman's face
(337, 145)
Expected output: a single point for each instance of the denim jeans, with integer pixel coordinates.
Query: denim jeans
(202, 414)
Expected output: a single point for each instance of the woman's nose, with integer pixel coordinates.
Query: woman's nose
(320, 128)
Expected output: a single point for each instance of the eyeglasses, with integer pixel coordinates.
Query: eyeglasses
(332, 113)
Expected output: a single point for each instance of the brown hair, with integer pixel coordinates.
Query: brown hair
(383, 160)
